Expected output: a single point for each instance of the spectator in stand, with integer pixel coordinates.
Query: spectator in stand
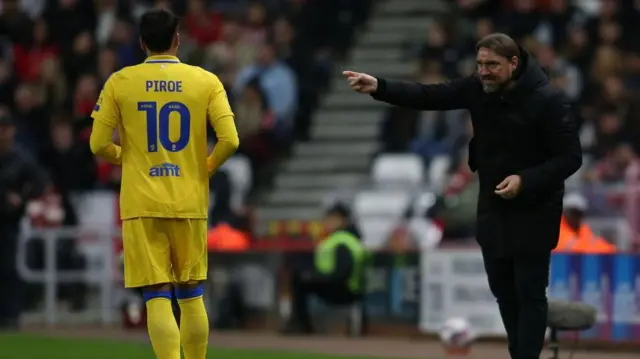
(8, 83)
(23, 182)
(69, 18)
(438, 133)
(28, 58)
(31, 118)
(563, 74)
(14, 22)
(203, 26)
(256, 24)
(252, 111)
(231, 53)
(126, 44)
(577, 49)
(255, 122)
(70, 162)
(279, 83)
(612, 168)
(397, 129)
(467, 45)
(107, 64)
(53, 84)
(81, 58)
(520, 19)
(438, 48)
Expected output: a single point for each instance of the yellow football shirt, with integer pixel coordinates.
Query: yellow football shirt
(161, 108)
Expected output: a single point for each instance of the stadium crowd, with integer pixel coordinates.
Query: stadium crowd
(274, 57)
(588, 49)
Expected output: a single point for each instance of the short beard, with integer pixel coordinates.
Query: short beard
(495, 87)
(491, 88)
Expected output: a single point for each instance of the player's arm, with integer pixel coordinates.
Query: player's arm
(106, 116)
(102, 145)
(221, 118)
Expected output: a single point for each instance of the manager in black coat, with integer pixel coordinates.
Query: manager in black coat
(525, 145)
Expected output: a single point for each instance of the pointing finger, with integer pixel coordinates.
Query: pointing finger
(349, 74)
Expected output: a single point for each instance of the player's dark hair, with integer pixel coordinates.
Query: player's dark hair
(501, 44)
(157, 28)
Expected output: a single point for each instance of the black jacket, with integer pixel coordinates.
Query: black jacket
(527, 130)
(22, 176)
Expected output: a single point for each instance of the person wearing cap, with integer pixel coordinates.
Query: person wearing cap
(576, 235)
(336, 274)
(21, 179)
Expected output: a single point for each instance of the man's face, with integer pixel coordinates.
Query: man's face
(573, 216)
(622, 156)
(333, 222)
(266, 56)
(494, 70)
(62, 137)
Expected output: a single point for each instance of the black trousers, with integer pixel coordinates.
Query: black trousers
(519, 284)
(10, 282)
(302, 290)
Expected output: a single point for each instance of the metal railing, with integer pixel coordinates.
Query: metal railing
(51, 277)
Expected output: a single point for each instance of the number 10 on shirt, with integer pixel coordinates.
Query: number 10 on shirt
(158, 125)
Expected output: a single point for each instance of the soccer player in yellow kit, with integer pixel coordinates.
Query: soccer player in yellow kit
(161, 108)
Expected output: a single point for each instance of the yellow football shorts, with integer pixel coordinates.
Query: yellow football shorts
(164, 250)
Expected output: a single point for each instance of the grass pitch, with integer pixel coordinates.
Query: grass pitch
(28, 346)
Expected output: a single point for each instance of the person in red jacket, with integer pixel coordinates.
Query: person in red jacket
(28, 58)
(203, 26)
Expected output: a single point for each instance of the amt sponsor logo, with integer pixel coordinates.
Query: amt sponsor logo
(165, 170)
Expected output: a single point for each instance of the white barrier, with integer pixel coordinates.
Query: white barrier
(101, 275)
(454, 284)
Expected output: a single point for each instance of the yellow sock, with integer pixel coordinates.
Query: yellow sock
(194, 327)
(162, 326)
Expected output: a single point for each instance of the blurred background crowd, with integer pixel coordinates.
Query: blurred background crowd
(274, 57)
(588, 49)
(277, 59)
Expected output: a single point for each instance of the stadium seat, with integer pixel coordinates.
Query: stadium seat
(438, 170)
(398, 169)
(375, 230)
(239, 170)
(381, 203)
(377, 212)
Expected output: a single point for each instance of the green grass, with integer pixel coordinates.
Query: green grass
(26, 346)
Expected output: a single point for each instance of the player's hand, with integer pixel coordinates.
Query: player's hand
(509, 187)
(361, 82)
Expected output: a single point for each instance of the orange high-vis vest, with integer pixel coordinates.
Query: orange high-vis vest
(225, 238)
(581, 241)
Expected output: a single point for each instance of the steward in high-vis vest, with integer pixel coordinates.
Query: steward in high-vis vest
(575, 235)
(335, 273)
